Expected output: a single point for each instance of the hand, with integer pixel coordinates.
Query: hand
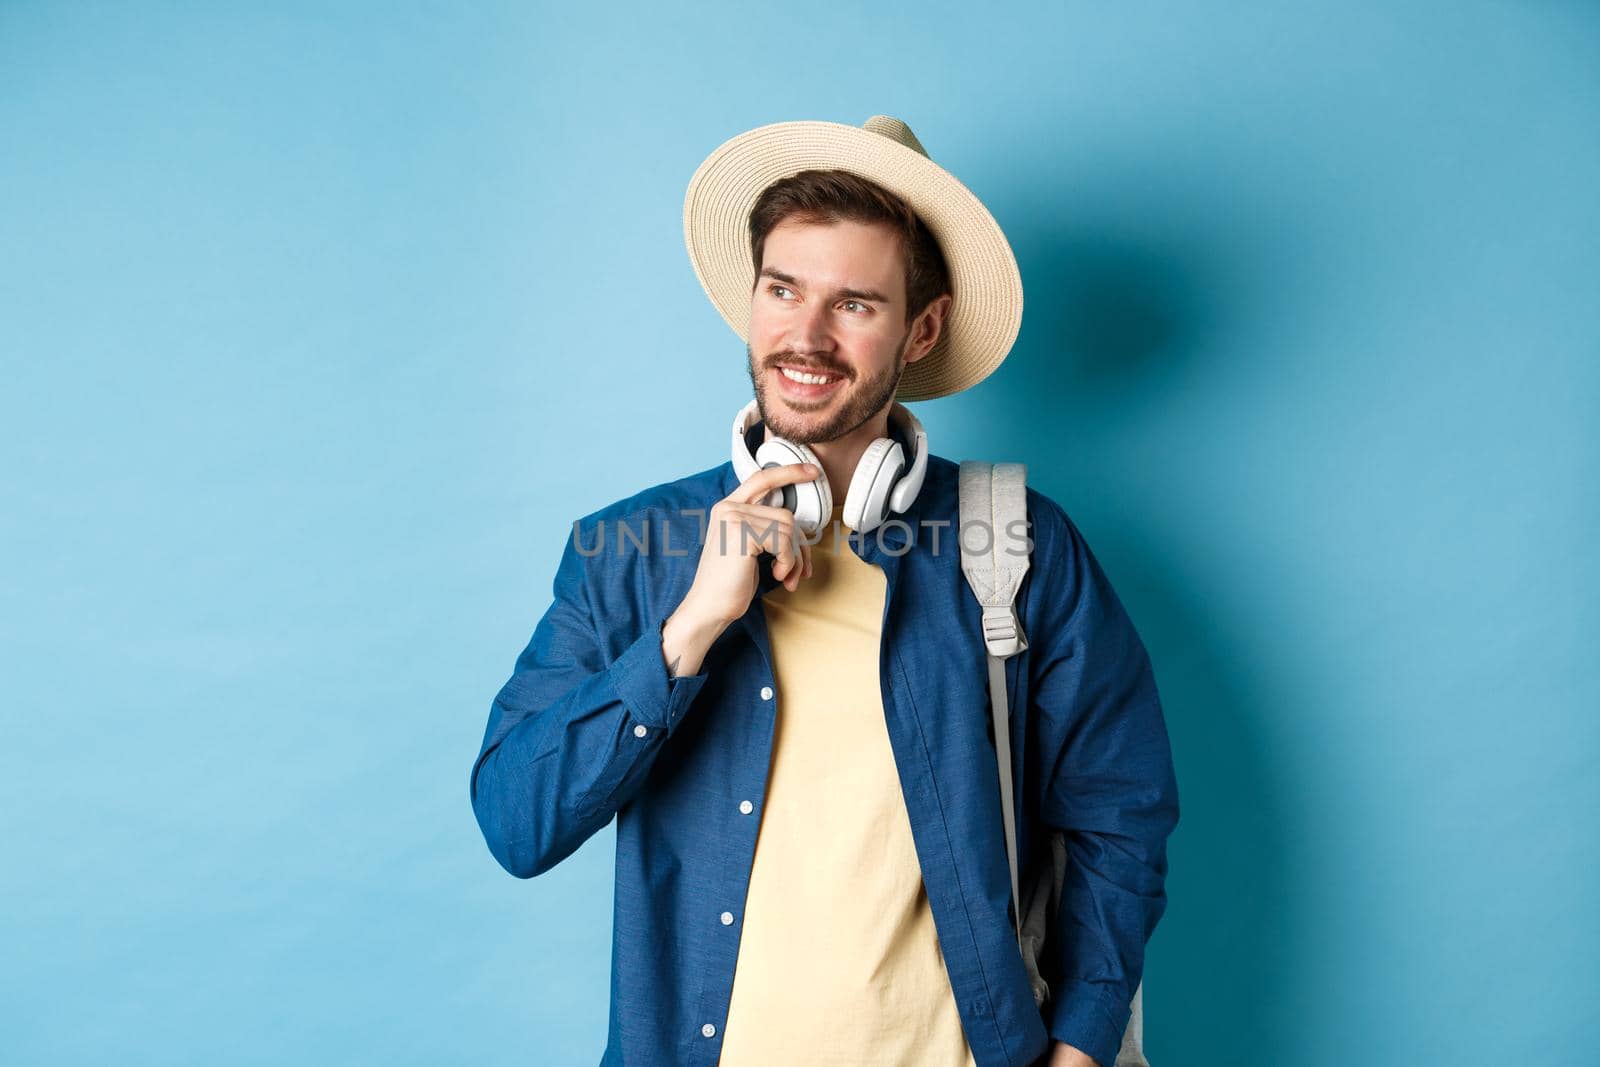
(738, 531)
(1065, 1055)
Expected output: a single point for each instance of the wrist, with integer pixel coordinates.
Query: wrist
(1065, 1055)
(686, 635)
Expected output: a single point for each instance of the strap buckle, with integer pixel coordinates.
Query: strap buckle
(1002, 630)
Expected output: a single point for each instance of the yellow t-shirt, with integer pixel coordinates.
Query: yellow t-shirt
(839, 962)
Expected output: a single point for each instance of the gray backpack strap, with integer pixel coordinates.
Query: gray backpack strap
(994, 558)
(1131, 1054)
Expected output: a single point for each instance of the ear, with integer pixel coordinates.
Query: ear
(927, 327)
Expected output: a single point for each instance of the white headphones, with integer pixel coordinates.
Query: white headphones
(881, 483)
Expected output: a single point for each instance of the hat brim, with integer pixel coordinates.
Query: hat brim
(986, 309)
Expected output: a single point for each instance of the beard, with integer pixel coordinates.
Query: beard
(861, 400)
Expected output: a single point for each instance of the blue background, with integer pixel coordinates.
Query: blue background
(319, 327)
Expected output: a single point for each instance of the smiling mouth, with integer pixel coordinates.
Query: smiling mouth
(805, 386)
(805, 377)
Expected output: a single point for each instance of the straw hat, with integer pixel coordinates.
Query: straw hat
(986, 309)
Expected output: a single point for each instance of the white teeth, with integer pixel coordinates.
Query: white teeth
(807, 379)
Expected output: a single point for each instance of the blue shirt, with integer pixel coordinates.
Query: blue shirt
(591, 727)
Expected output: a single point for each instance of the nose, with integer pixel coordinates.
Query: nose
(812, 330)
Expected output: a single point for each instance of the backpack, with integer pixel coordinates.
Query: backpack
(995, 495)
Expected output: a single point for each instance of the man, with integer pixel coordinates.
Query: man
(792, 727)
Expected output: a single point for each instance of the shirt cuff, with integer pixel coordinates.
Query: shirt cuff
(642, 683)
(1092, 1017)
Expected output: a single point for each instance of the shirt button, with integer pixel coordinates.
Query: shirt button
(709, 1030)
(640, 730)
(746, 807)
(727, 918)
(766, 692)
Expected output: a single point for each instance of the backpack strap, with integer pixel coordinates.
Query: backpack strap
(994, 557)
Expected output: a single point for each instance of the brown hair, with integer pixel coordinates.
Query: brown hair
(834, 195)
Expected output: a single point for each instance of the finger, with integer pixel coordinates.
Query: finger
(802, 561)
(756, 487)
(766, 527)
(797, 570)
(782, 563)
(786, 561)
(751, 529)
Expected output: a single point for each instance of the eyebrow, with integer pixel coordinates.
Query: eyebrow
(855, 294)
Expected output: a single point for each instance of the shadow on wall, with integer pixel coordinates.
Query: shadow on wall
(1107, 323)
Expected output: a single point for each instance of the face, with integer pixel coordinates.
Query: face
(830, 304)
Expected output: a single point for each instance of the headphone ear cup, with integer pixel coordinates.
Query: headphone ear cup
(811, 502)
(866, 505)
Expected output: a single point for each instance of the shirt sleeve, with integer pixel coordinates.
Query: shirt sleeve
(571, 735)
(1107, 782)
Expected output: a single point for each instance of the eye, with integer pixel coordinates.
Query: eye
(774, 287)
(857, 303)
